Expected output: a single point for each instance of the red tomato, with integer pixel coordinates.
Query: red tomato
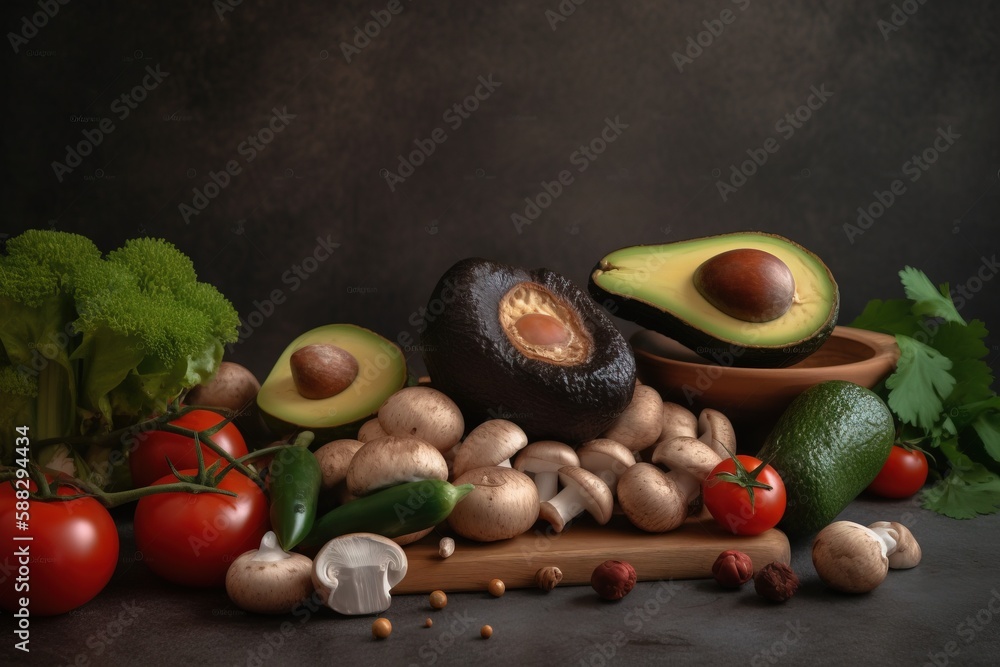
(191, 538)
(70, 558)
(729, 501)
(148, 459)
(902, 475)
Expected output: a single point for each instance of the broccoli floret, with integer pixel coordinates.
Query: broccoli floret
(18, 397)
(37, 281)
(103, 340)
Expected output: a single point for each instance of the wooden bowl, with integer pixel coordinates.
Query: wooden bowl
(754, 398)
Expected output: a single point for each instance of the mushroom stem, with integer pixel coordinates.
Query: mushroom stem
(355, 572)
(548, 484)
(270, 551)
(563, 507)
(901, 547)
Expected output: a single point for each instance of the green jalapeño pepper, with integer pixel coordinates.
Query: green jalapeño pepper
(294, 480)
(397, 510)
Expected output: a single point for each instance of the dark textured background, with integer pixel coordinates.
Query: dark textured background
(655, 183)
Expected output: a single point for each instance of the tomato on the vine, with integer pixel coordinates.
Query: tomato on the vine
(744, 495)
(191, 538)
(902, 475)
(70, 558)
(148, 459)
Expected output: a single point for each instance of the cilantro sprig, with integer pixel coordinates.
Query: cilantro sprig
(941, 393)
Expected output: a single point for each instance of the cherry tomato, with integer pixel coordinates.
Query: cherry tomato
(902, 475)
(191, 538)
(728, 500)
(70, 558)
(148, 459)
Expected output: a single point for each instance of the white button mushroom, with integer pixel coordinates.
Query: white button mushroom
(687, 454)
(424, 413)
(676, 420)
(334, 458)
(582, 491)
(393, 460)
(370, 430)
(542, 460)
(607, 459)
(503, 504)
(716, 431)
(854, 559)
(268, 580)
(492, 443)
(354, 573)
(641, 423)
(656, 501)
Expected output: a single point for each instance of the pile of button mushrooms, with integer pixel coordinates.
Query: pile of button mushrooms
(649, 465)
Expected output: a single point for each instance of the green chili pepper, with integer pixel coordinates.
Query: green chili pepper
(397, 510)
(294, 480)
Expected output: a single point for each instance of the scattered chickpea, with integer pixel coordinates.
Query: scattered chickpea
(381, 628)
(446, 547)
(497, 587)
(438, 599)
(428, 623)
(486, 631)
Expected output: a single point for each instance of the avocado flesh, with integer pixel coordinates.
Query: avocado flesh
(381, 372)
(828, 446)
(655, 287)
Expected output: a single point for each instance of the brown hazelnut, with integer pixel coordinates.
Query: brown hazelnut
(548, 578)
(321, 370)
(613, 579)
(381, 628)
(438, 599)
(732, 569)
(776, 582)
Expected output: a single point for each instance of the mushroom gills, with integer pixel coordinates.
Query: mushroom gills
(356, 572)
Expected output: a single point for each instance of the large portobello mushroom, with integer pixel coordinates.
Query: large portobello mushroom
(528, 346)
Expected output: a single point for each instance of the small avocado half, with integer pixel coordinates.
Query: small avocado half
(527, 346)
(742, 299)
(381, 372)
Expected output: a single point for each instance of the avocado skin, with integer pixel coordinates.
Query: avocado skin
(718, 350)
(828, 446)
(470, 358)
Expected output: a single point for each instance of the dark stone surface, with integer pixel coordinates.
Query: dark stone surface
(951, 601)
(657, 182)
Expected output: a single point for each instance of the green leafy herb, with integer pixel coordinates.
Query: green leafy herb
(941, 393)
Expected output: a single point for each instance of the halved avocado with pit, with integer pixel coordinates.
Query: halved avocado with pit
(527, 346)
(381, 372)
(742, 299)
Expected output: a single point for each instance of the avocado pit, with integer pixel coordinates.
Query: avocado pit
(542, 326)
(321, 370)
(748, 284)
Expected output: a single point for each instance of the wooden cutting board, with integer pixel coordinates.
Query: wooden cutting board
(685, 553)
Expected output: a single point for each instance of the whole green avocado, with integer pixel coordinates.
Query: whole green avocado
(828, 446)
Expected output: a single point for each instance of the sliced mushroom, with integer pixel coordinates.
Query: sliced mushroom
(424, 413)
(542, 460)
(503, 504)
(492, 443)
(653, 500)
(354, 573)
(641, 423)
(391, 460)
(607, 459)
(268, 580)
(716, 431)
(582, 492)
